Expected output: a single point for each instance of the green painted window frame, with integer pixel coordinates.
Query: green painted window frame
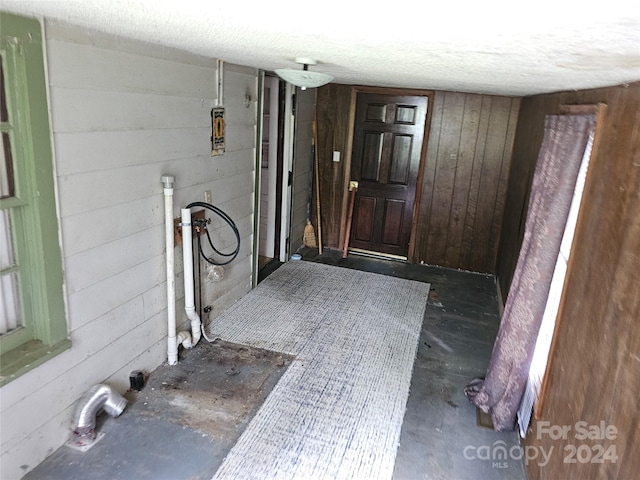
(33, 207)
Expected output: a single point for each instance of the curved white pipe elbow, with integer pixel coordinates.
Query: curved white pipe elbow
(184, 339)
(195, 324)
(196, 331)
(84, 416)
(189, 289)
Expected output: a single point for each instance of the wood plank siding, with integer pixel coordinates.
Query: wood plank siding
(593, 372)
(465, 178)
(124, 113)
(465, 175)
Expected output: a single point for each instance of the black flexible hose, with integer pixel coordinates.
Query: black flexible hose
(199, 278)
(229, 222)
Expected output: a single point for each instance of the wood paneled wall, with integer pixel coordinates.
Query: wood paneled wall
(465, 175)
(333, 113)
(529, 134)
(305, 102)
(465, 180)
(594, 371)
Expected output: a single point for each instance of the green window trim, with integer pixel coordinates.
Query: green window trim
(33, 208)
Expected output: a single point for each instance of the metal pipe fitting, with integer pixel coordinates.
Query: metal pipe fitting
(84, 416)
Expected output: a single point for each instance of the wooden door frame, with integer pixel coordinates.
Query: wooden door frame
(430, 94)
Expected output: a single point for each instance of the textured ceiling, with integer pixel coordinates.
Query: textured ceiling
(491, 46)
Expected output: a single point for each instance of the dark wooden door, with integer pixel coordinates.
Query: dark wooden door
(387, 146)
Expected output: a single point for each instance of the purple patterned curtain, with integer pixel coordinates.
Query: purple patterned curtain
(563, 146)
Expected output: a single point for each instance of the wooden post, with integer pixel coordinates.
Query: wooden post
(314, 141)
(353, 188)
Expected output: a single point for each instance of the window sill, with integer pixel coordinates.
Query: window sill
(26, 357)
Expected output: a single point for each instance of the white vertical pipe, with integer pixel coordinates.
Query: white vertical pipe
(172, 346)
(220, 86)
(189, 290)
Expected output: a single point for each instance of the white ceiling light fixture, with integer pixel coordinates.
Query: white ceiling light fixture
(304, 78)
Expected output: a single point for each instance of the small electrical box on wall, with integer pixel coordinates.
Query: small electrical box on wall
(217, 131)
(177, 229)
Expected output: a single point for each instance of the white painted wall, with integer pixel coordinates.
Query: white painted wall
(265, 244)
(301, 165)
(123, 114)
(269, 175)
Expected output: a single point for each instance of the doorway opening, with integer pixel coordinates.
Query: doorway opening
(390, 134)
(270, 174)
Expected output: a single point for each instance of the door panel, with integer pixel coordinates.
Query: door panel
(363, 231)
(401, 159)
(388, 136)
(376, 112)
(393, 214)
(371, 156)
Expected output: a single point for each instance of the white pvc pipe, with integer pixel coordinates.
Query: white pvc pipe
(172, 346)
(189, 290)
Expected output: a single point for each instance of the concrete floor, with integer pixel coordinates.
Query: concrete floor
(185, 420)
(440, 438)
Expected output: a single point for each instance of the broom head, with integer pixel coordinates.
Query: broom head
(309, 236)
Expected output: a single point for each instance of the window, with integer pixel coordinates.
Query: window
(32, 318)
